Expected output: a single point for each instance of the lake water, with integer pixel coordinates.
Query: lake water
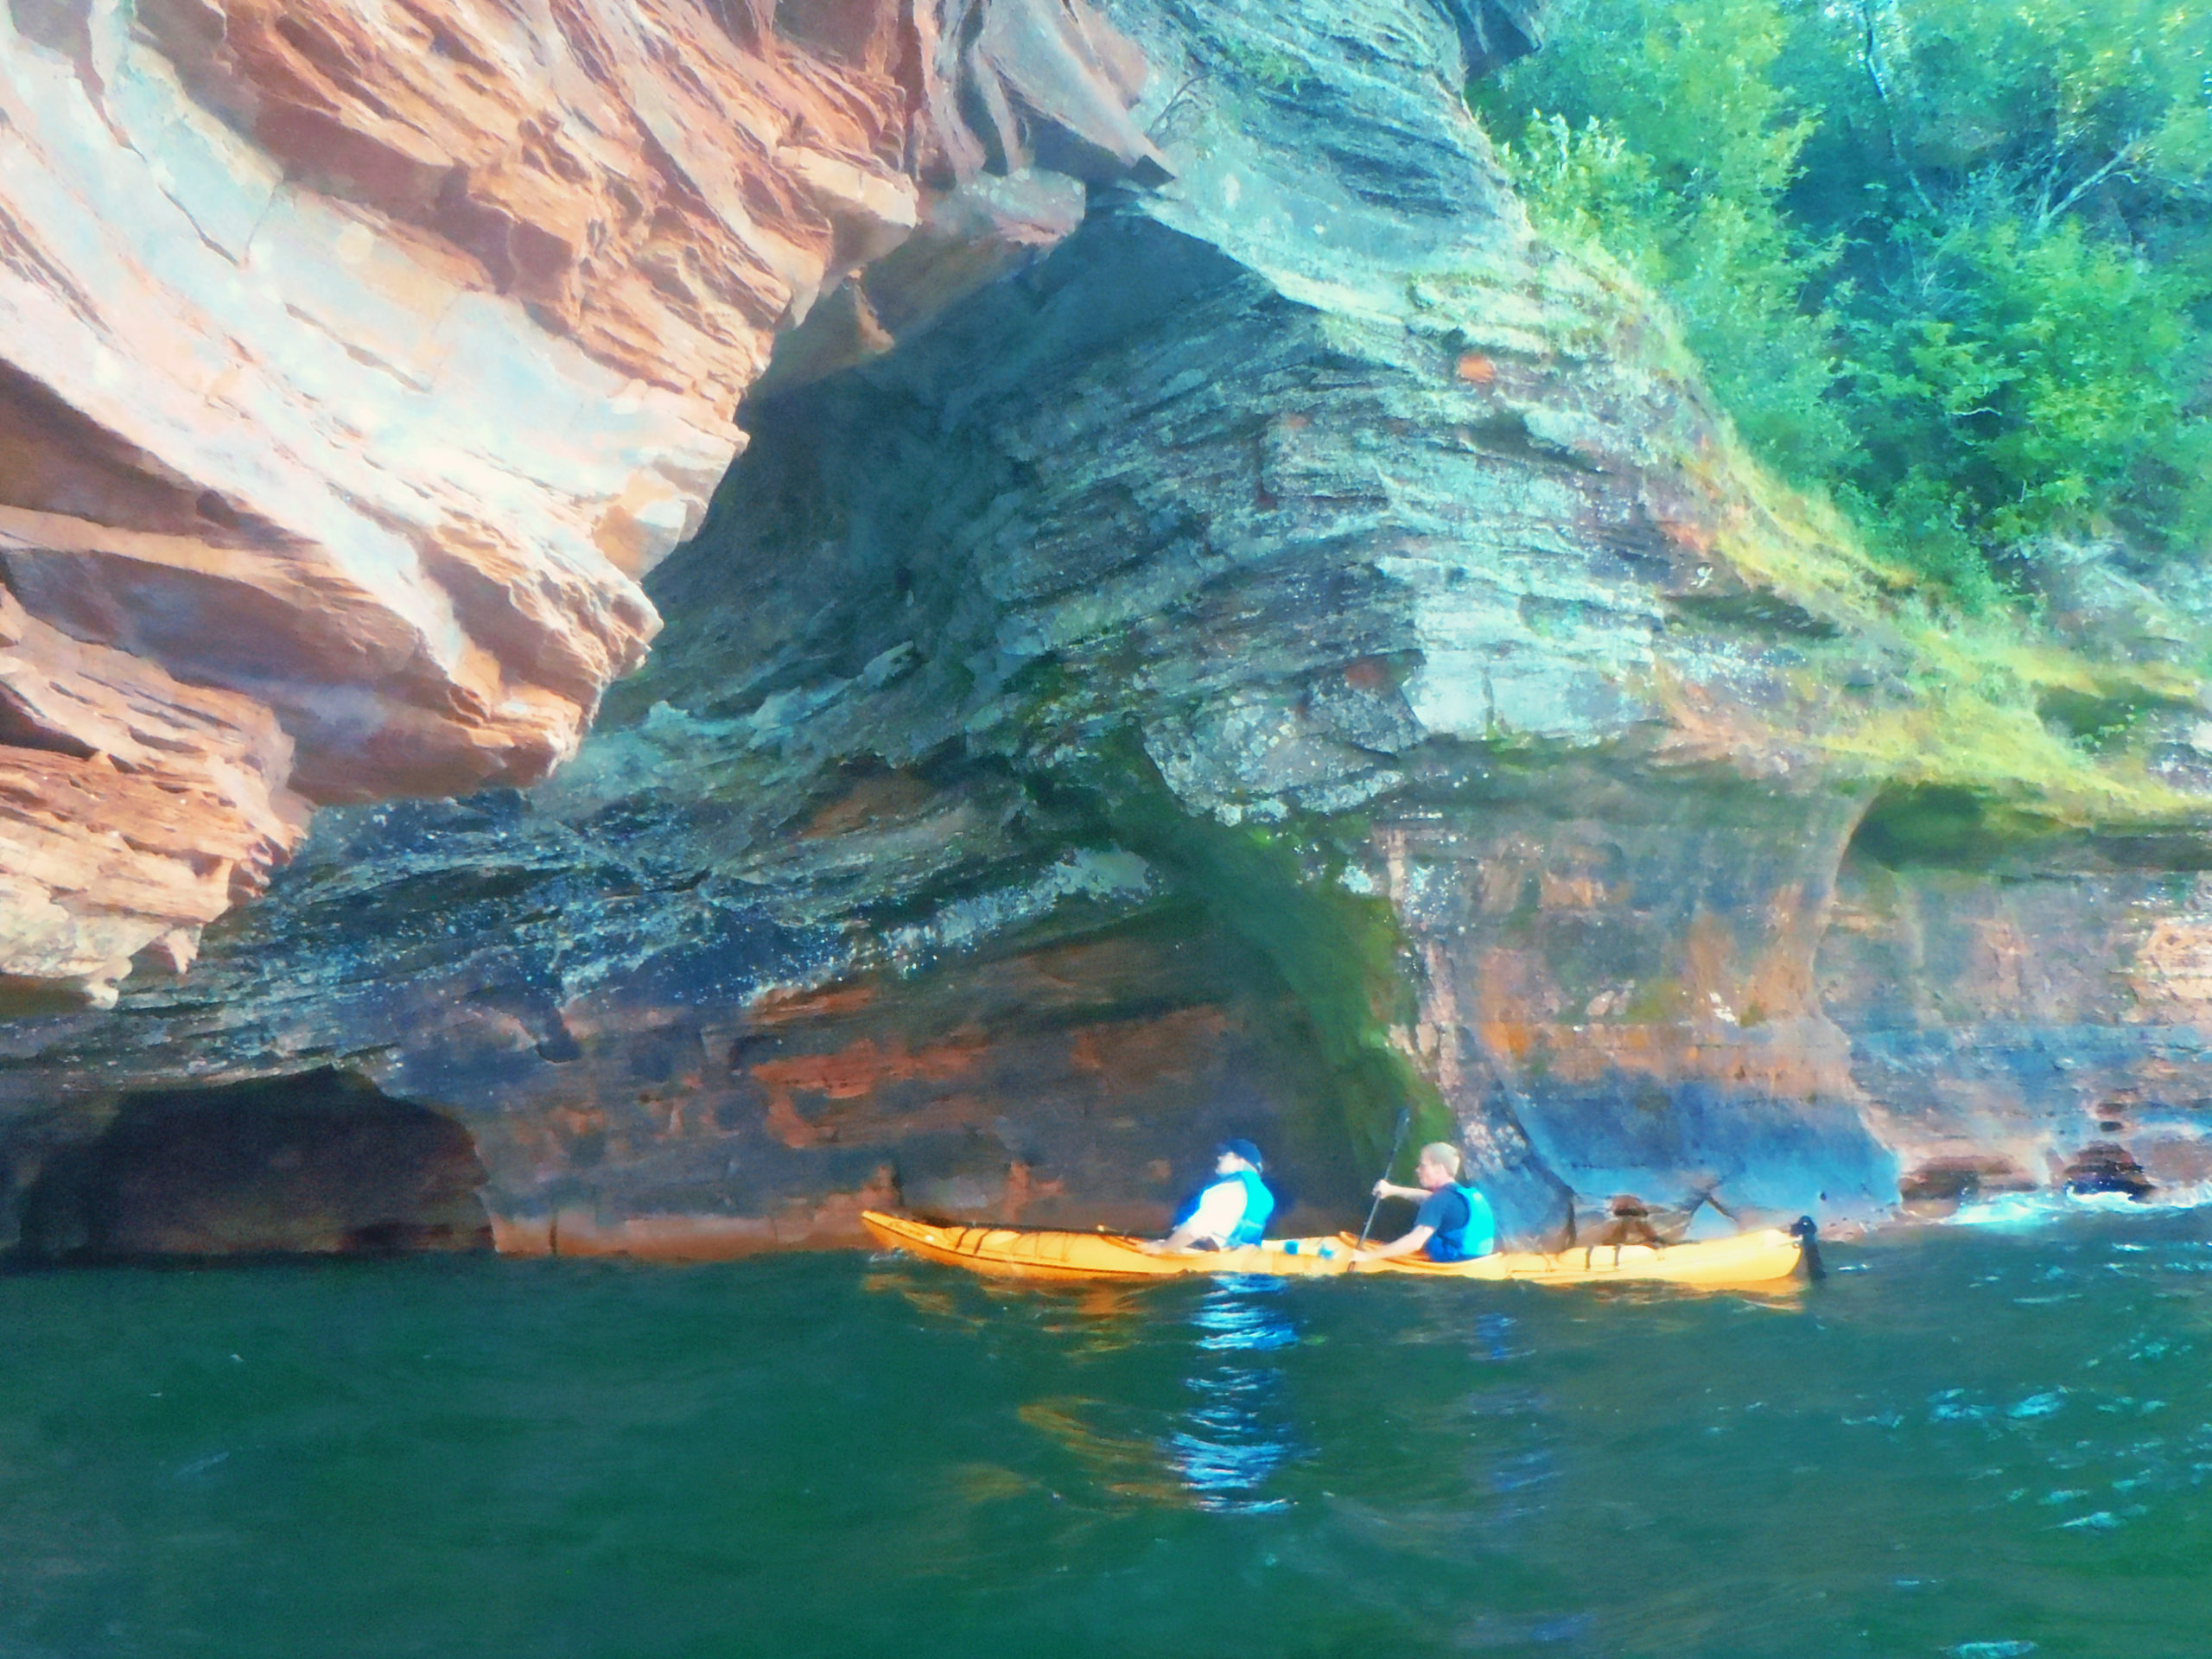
(1967, 1441)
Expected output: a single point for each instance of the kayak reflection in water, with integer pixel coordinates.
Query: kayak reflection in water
(1454, 1223)
(1236, 1436)
(1231, 1210)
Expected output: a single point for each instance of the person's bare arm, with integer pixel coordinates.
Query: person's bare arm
(1416, 1239)
(1391, 1190)
(1181, 1239)
(1209, 1223)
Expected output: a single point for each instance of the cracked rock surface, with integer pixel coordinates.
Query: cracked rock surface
(1226, 630)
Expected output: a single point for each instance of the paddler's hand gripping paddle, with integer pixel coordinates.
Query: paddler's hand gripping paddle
(1397, 1142)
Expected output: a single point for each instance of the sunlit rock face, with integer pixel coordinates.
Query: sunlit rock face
(1222, 630)
(165, 803)
(356, 361)
(2021, 1004)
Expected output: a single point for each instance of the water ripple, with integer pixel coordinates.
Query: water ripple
(1233, 1441)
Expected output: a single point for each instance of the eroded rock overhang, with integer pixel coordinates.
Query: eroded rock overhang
(357, 361)
(1307, 645)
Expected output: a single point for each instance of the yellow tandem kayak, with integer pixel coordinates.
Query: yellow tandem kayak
(1752, 1258)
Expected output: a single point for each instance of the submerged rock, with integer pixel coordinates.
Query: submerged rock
(2107, 1166)
(1941, 1184)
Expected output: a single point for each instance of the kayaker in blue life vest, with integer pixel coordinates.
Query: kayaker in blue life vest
(1231, 1210)
(1454, 1223)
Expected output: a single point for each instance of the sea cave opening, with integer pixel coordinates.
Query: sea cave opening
(318, 1163)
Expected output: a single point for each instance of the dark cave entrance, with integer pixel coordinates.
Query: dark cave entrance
(323, 1164)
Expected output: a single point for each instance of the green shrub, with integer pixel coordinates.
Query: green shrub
(1950, 260)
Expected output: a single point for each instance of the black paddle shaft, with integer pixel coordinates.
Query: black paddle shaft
(1397, 1142)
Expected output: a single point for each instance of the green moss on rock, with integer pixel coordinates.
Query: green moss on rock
(1341, 954)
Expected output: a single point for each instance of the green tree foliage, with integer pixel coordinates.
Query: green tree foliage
(1950, 259)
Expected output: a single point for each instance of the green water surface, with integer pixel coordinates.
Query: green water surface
(1965, 1443)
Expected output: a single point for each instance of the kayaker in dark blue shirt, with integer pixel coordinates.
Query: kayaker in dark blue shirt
(1454, 1223)
(1231, 1210)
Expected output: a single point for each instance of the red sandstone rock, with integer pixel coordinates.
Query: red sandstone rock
(355, 361)
(133, 809)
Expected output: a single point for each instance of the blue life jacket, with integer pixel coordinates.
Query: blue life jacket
(1259, 1204)
(1474, 1234)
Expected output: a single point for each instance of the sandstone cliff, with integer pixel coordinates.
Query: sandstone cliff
(1220, 628)
(357, 361)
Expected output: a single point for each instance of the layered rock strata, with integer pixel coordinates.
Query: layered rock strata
(167, 800)
(1304, 648)
(357, 361)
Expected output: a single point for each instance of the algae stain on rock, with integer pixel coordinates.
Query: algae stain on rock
(1341, 953)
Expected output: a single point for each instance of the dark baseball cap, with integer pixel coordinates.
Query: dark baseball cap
(1243, 1149)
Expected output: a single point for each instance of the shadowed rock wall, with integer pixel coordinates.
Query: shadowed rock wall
(318, 1164)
